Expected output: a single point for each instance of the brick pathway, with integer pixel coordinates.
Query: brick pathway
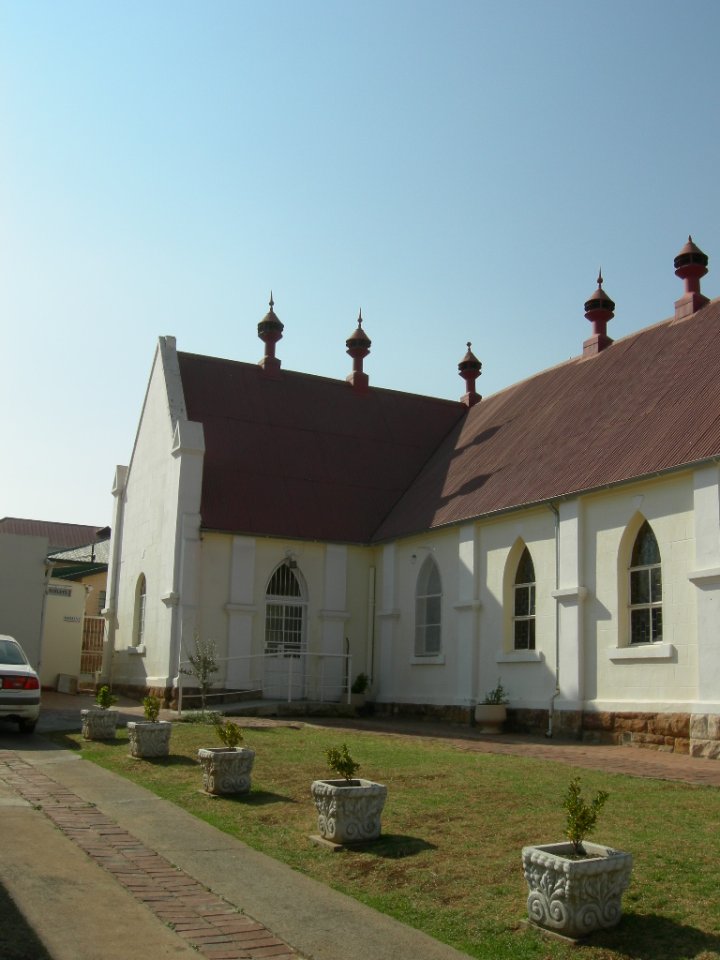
(214, 927)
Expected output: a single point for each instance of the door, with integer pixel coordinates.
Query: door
(285, 634)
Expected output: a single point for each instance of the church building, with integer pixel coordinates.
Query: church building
(561, 537)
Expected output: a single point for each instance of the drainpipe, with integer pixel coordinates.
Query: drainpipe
(370, 640)
(556, 694)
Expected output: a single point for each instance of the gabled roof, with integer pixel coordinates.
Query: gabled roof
(61, 536)
(648, 403)
(303, 456)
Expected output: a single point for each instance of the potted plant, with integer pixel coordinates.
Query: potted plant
(99, 722)
(359, 689)
(151, 738)
(491, 714)
(349, 808)
(576, 887)
(227, 769)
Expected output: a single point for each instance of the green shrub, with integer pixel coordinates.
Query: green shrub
(103, 698)
(581, 816)
(229, 732)
(151, 706)
(341, 763)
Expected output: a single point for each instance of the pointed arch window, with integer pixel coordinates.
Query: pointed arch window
(140, 604)
(645, 588)
(285, 612)
(428, 610)
(524, 604)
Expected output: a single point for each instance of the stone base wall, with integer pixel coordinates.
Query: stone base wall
(697, 734)
(425, 711)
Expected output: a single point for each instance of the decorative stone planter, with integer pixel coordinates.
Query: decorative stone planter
(148, 740)
(349, 811)
(575, 897)
(490, 717)
(226, 770)
(98, 724)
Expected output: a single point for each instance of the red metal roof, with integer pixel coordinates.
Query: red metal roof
(302, 456)
(648, 403)
(61, 536)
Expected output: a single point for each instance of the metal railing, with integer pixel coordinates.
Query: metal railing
(318, 677)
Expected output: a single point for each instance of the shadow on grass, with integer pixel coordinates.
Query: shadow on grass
(17, 938)
(256, 798)
(651, 937)
(395, 846)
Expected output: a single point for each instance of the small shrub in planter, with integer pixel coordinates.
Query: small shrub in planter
(359, 689)
(576, 887)
(490, 715)
(100, 722)
(227, 769)
(150, 739)
(349, 808)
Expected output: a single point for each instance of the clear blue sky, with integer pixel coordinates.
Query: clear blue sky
(458, 170)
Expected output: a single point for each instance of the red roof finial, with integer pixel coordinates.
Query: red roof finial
(470, 369)
(358, 347)
(270, 330)
(690, 265)
(599, 309)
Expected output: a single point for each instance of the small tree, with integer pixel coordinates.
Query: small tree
(229, 732)
(203, 664)
(104, 699)
(341, 763)
(581, 816)
(151, 707)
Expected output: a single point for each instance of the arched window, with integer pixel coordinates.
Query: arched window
(140, 602)
(285, 612)
(645, 588)
(428, 610)
(524, 604)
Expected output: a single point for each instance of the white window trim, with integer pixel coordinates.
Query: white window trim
(643, 651)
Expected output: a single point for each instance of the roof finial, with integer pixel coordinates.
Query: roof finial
(270, 330)
(358, 347)
(599, 308)
(691, 264)
(470, 369)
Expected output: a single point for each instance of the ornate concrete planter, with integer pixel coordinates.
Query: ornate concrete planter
(226, 770)
(349, 811)
(575, 897)
(148, 740)
(98, 724)
(490, 717)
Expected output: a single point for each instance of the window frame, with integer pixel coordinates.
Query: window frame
(529, 618)
(652, 590)
(287, 607)
(428, 610)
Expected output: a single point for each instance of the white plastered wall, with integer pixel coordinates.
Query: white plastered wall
(23, 578)
(234, 573)
(653, 677)
(157, 527)
(63, 630)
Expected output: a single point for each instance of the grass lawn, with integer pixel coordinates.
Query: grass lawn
(448, 861)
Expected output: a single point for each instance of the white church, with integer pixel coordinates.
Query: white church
(562, 535)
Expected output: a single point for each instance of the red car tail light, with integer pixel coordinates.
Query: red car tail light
(19, 683)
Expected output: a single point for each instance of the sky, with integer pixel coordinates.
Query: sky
(459, 170)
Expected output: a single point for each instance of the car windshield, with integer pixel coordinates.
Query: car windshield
(10, 652)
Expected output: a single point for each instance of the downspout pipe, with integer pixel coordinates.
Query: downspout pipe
(556, 694)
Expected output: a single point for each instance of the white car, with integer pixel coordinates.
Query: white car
(19, 686)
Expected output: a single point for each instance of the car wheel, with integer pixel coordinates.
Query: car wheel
(27, 726)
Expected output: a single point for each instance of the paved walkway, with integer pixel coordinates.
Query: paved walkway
(101, 868)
